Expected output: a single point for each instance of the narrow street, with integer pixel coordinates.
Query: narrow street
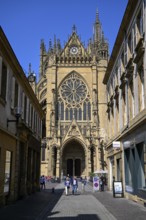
(84, 205)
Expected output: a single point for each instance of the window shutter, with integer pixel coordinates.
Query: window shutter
(0, 72)
(13, 92)
(27, 111)
(23, 97)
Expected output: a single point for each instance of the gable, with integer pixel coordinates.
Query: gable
(74, 47)
(73, 131)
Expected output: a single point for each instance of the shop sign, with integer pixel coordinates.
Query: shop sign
(116, 144)
(117, 188)
(126, 144)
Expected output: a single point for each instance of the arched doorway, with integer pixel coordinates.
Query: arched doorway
(70, 167)
(73, 159)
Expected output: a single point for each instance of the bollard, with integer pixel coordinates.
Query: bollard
(53, 190)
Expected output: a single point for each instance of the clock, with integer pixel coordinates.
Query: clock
(74, 50)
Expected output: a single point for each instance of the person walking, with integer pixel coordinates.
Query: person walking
(67, 186)
(74, 185)
(102, 182)
(42, 182)
(84, 182)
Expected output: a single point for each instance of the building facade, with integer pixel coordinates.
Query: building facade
(72, 94)
(125, 81)
(20, 129)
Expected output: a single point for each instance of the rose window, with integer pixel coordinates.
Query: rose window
(73, 90)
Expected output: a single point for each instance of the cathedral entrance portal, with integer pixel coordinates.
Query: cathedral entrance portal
(74, 166)
(73, 159)
(70, 167)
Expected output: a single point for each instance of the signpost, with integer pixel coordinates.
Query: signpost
(95, 183)
(118, 189)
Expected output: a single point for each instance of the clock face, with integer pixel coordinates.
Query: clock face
(74, 50)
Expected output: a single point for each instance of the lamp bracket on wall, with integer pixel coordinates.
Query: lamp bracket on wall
(18, 113)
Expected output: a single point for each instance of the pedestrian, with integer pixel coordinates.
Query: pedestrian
(102, 182)
(67, 186)
(42, 182)
(84, 182)
(75, 185)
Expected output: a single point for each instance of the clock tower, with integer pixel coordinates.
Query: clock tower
(71, 92)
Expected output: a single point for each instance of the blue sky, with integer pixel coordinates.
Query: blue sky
(26, 22)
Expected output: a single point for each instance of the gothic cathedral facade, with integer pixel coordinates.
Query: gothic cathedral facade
(73, 96)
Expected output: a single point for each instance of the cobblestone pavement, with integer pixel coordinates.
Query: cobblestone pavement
(82, 206)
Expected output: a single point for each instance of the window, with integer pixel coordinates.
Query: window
(75, 113)
(31, 117)
(131, 99)
(16, 94)
(134, 36)
(89, 110)
(74, 98)
(130, 46)
(3, 82)
(73, 89)
(139, 22)
(124, 110)
(67, 114)
(117, 112)
(80, 114)
(141, 89)
(71, 114)
(122, 62)
(134, 160)
(43, 93)
(43, 154)
(62, 111)
(125, 53)
(25, 107)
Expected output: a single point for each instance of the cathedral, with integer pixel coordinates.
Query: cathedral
(72, 94)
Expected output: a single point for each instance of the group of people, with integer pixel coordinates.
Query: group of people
(72, 183)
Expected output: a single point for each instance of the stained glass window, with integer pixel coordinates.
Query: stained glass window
(74, 99)
(62, 111)
(73, 89)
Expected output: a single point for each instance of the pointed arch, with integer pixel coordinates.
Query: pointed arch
(73, 139)
(74, 92)
(80, 76)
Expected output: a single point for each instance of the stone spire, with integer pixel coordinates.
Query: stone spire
(55, 44)
(42, 55)
(97, 29)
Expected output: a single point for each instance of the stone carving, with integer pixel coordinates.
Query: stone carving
(74, 131)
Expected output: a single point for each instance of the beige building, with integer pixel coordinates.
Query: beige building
(125, 81)
(71, 92)
(20, 129)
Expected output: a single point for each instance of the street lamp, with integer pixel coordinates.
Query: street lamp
(18, 113)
